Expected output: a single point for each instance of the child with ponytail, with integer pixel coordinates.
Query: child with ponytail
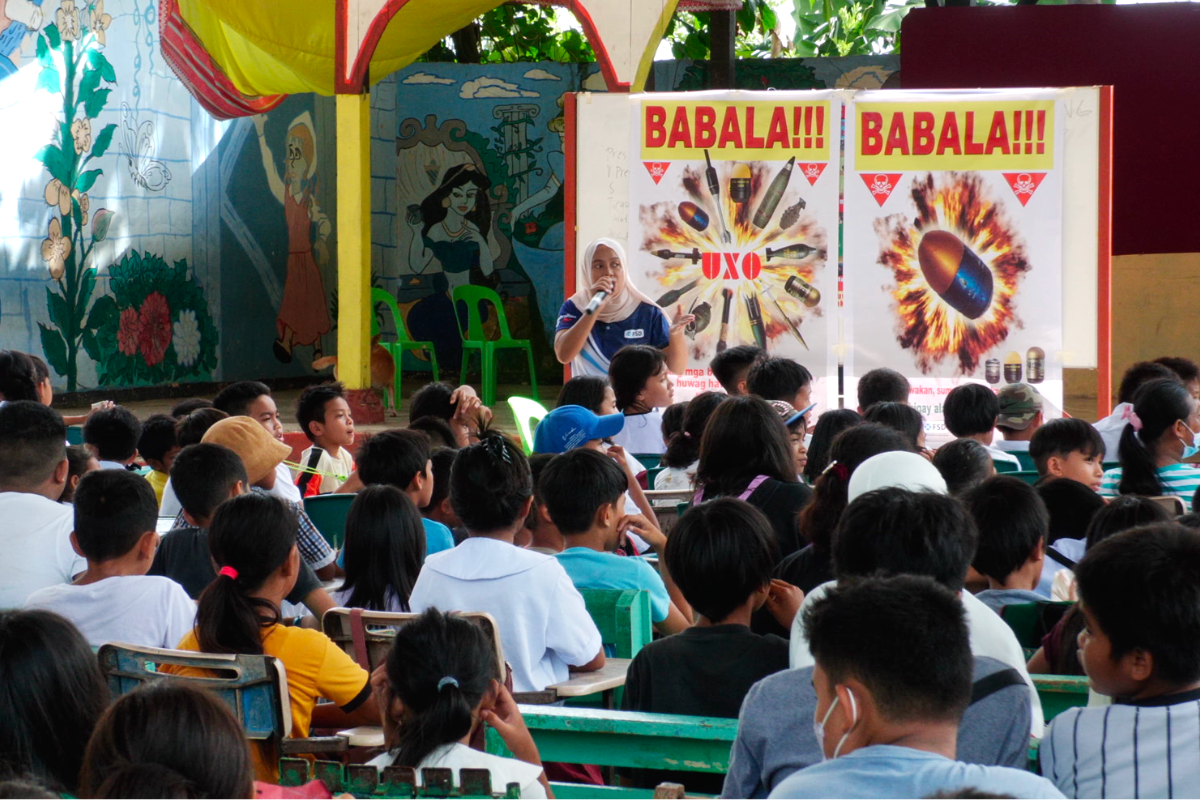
(1162, 429)
(252, 540)
(440, 684)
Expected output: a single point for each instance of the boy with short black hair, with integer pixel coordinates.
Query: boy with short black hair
(185, 407)
(324, 416)
(732, 367)
(157, 448)
(1140, 596)
(253, 399)
(1069, 448)
(783, 379)
(401, 458)
(1012, 522)
(1187, 370)
(112, 436)
(583, 492)
(970, 412)
(114, 600)
(881, 385)
(439, 508)
(544, 536)
(893, 678)
(81, 462)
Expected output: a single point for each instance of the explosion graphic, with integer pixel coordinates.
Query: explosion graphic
(742, 280)
(957, 268)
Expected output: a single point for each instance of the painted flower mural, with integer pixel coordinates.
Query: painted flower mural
(55, 249)
(187, 337)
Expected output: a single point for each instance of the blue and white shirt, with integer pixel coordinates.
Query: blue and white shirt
(646, 325)
(1181, 480)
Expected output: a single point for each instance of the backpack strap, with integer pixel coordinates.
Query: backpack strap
(990, 684)
(309, 472)
(750, 487)
(1053, 553)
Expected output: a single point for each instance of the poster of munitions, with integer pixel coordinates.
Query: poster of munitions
(953, 242)
(734, 219)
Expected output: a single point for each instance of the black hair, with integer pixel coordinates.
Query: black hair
(576, 484)
(310, 407)
(905, 638)
(442, 460)
(41, 370)
(236, 398)
(167, 739)
(1139, 375)
(1189, 520)
(18, 376)
(583, 390)
(882, 385)
(728, 367)
(114, 432)
(775, 378)
(78, 458)
(489, 484)
(191, 429)
(1185, 368)
(964, 464)
(898, 532)
(1142, 589)
(537, 463)
(1071, 506)
(631, 368)
(432, 400)
(158, 436)
(683, 447)
(437, 429)
(970, 409)
(828, 426)
(433, 207)
(899, 417)
(1061, 437)
(719, 553)
(53, 694)
(203, 475)
(385, 546)
(113, 510)
(1159, 405)
(1011, 519)
(33, 442)
(394, 457)
(1122, 513)
(744, 438)
(852, 447)
(254, 534)
(185, 407)
(672, 419)
(440, 667)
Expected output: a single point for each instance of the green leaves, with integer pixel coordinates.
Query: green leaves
(48, 79)
(60, 310)
(100, 222)
(104, 313)
(98, 62)
(55, 349)
(87, 179)
(100, 146)
(51, 32)
(56, 162)
(95, 104)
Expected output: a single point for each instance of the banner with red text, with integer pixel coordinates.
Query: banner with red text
(734, 218)
(953, 242)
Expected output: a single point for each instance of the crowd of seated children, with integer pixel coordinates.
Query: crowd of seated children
(383, 552)
(1020, 417)
(903, 418)
(731, 368)
(970, 412)
(157, 447)
(189, 429)
(964, 464)
(783, 379)
(540, 615)
(459, 407)
(1162, 431)
(112, 435)
(881, 385)
(1135, 377)
(440, 509)
(1012, 522)
(584, 493)
(1068, 448)
(252, 539)
(324, 418)
(682, 455)
(828, 426)
(114, 600)
(1139, 593)
(440, 684)
(887, 717)
(642, 388)
(253, 399)
(80, 462)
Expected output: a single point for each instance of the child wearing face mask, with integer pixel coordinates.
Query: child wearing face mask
(1163, 430)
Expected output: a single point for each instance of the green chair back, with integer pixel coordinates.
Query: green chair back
(1107, 465)
(527, 414)
(474, 295)
(1031, 621)
(328, 512)
(649, 460)
(384, 296)
(1026, 460)
(1029, 476)
(1005, 466)
(1060, 692)
(622, 616)
(74, 434)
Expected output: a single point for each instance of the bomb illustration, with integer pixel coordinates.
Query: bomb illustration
(960, 277)
(1012, 368)
(693, 215)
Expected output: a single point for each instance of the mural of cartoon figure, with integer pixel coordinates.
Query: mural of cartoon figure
(17, 18)
(303, 316)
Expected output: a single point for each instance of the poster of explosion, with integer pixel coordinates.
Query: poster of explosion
(953, 243)
(735, 220)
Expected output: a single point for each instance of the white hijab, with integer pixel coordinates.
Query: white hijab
(618, 307)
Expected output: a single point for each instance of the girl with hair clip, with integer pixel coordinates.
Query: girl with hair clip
(682, 457)
(441, 683)
(1162, 431)
(385, 545)
(252, 540)
(167, 739)
(607, 312)
(828, 426)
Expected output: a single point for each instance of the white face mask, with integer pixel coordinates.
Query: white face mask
(1190, 450)
(819, 727)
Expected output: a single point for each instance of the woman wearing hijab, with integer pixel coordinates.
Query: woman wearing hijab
(624, 316)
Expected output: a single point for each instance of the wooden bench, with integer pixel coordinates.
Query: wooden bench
(362, 780)
(666, 504)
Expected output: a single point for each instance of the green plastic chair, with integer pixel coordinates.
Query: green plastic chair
(396, 349)
(328, 512)
(527, 414)
(473, 339)
(1026, 460)
(1030, 476)
(1004, 466)
(74, 434)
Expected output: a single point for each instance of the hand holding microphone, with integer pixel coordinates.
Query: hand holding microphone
(604, 288)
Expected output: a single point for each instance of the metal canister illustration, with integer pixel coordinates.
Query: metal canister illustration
(1035, 365)
(770, 201)
(757, 327)
(991, 370)
(791, 251)
(803, 291)
(693, 215)
(953, 271)
(739, 184)
(1012, 367)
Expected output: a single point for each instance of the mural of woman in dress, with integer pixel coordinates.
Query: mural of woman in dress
(303, 316)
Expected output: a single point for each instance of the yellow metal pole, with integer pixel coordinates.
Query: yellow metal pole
(354, 239)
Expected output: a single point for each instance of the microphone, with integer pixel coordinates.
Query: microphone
(597, 299)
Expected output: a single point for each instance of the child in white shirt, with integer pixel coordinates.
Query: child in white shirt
(324, 416)
(642, 385)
